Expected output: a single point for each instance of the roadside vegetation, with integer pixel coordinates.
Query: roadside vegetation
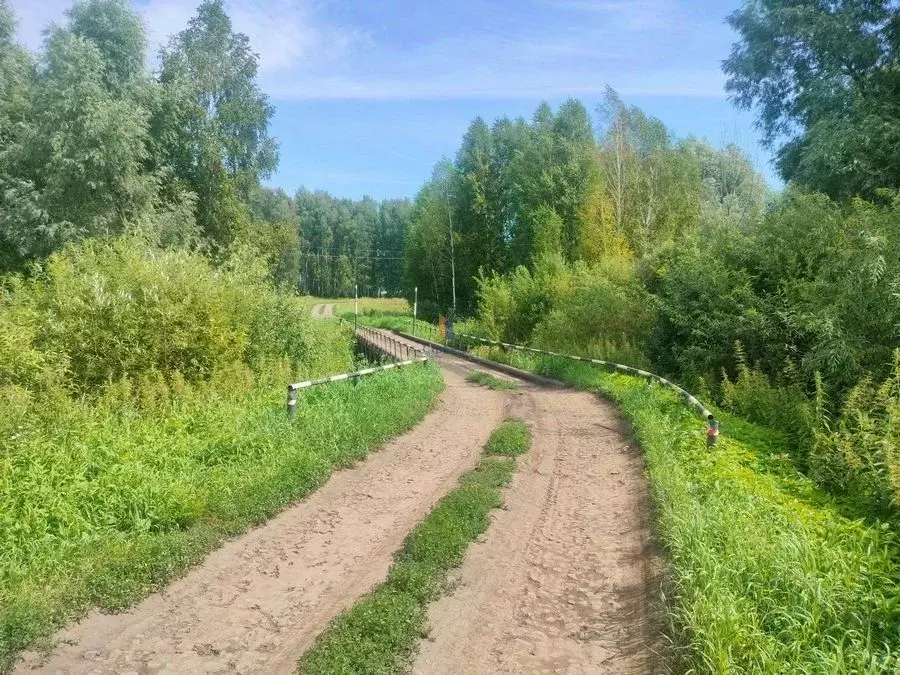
(381, 632)
(767, 572)
(491, 382)
(143, 422)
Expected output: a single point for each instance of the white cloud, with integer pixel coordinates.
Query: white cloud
(540, 48)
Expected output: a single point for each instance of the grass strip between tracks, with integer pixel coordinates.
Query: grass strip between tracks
(491, 382)
(381, 632)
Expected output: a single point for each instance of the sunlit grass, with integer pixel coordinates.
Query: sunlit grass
(491, 382)
(101, 504)
(380, 633)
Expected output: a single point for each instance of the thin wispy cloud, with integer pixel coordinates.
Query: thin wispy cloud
(317, 50)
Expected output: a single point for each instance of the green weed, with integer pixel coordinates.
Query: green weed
(510, 439)
(491, 382)
(380, 633)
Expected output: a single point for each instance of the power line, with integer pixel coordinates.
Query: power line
(350, 257)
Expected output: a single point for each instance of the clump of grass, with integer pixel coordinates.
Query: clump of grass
(510, 439)
(380, 633)
(491, 382)
(101, 503)
(767, 572)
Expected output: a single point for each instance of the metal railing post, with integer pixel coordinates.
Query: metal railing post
(291, 402)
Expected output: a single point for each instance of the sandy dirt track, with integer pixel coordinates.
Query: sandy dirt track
(566, 577)
(323, 310)
(563, 581)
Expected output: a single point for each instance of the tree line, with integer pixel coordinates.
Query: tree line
(567, 186)
(94, 144)
(607, 236)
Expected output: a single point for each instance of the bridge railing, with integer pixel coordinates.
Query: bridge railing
(400, 353)
(690, 399)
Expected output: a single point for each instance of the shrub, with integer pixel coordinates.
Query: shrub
(782, 405)
(859, 455)
(111, 309)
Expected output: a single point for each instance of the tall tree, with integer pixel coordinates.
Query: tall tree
(219, 145)
(222, 69)
(825, 81)
(118, 33)
(478, 213)
(21, 216)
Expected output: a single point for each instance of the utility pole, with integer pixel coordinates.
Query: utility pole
(356, 305)
(415, 310)
(452, 256)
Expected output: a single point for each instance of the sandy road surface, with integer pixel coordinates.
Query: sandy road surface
(563, 580)
(323, 310)
(566, 577)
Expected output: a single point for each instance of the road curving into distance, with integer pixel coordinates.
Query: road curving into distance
(564, 580)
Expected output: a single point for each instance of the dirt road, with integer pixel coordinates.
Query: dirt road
(562, 582)
(323, 310)
(566, 577)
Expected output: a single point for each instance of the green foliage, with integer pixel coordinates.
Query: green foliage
(124, 309)
(117, 32)
(599, 309)
(350, 244)
(858, 454)
(824, 80)
(783, 406)
(91, 144)
(519, 193)
(380, 633)
(234, 113)
(813, 284)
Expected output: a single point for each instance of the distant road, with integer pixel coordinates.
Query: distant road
(323, 310)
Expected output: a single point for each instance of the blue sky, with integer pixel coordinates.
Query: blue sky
(369, 95)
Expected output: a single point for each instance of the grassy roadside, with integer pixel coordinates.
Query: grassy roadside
(768, 573)
(135, 498)
(380, 633)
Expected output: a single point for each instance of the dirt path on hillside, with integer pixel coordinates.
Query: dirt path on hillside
(256, 604)
(323, 310)
(563, 581)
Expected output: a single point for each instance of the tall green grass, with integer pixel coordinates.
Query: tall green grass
(380, 633)
(491, 382)
(767, 572)
(103, 501)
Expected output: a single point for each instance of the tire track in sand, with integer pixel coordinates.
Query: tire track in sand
(566, 578)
